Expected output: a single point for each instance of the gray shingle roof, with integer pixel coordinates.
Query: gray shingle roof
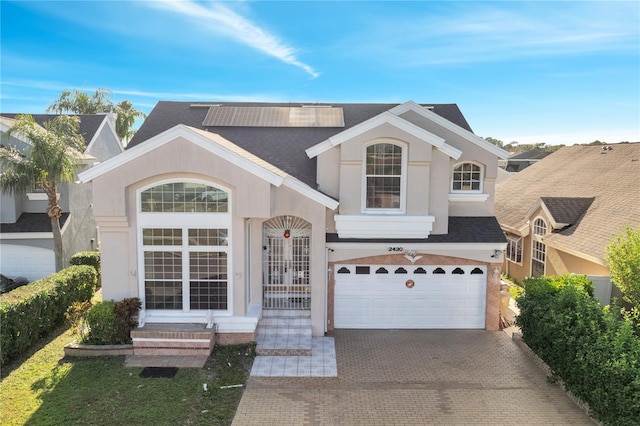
(31, 222)
(89, 123)
(610, 177)
(567, 209)
(284, 147)
(461, 230)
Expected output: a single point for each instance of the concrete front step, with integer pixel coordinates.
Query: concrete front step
(173, 340)
(284, 333)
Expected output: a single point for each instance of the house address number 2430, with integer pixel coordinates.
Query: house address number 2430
(395, 249)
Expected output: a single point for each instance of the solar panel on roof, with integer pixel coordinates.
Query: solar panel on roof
(308, 116)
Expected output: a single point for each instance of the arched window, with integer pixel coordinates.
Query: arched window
(184, 246)
(476, 271)
(384, 177)
(344, 270)
(381, 271)
(401, 270)
(458, 271)
(184, 197)
(420, 271)
(467, 177)
(538, 248)
(438, 271)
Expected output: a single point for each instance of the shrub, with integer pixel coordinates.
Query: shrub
(91, 258)
(126, 312)
(102, 321)
(76, 315)
(591, 349)
(110, 323)
(29, 312)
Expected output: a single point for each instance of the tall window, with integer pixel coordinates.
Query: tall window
(383, 176)
(467, 177)
(184, 246)
(538, 249)
(514, 248)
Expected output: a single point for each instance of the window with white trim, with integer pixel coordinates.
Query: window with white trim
(184, 246)
(538, 248)
(384, 177)
(514, 249)
(467, 177)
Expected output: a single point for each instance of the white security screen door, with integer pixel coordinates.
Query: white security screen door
(286, 283)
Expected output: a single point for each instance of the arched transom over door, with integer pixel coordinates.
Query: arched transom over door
(286, 251)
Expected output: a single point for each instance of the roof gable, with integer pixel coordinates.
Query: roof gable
(452, 127)
(219, 146)
(378, 121)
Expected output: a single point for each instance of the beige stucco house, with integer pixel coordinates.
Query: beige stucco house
(560, 213)
(365, 215)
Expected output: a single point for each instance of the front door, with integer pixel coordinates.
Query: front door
(286, 283)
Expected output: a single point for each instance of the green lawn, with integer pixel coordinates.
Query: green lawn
(46, 388)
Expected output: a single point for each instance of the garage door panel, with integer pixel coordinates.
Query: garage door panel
(435, 301)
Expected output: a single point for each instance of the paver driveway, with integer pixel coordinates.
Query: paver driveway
(415, 377)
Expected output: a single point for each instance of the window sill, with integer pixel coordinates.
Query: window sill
(468, 197)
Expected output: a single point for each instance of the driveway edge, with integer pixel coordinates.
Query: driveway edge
(517, 339)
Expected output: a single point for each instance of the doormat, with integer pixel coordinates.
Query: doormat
(153, 372)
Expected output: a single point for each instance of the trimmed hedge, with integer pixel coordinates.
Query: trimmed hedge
(29, 312)
(91, 258)
(591, 349)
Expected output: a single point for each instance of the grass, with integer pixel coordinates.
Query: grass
(46, 388)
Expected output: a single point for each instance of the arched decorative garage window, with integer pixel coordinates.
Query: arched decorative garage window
(438, 271)
(420, 271)
(381, 271)
(476, 271)
(184, 246)
(458, 271)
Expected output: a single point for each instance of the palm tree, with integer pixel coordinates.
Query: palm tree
(51, 159)
(77, 102)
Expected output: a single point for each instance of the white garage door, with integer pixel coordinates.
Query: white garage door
(32, 263)
(387, 296)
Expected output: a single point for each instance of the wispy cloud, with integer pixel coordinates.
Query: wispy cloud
(471, 32)
(219, 18)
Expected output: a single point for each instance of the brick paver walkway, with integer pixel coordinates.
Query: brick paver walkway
(415, 377)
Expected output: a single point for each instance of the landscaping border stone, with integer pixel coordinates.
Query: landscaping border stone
(517, 339)
(77, 349)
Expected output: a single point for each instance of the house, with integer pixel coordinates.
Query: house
(26, 240)
(560, 213)
(520, 161)
(362, 215)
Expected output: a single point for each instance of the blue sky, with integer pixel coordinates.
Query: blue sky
(556, 72)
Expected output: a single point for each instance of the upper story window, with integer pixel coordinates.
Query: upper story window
(467, 177)
(184, 197)
(384, 177)
(539, 227)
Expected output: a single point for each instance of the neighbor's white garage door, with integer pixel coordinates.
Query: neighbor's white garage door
(32, 263)
(377, 296)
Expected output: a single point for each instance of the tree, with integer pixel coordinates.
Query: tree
(50, 160)
(126, 117)
(77, 102)
(623, 256)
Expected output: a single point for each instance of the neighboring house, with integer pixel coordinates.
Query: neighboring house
(26, 240)
(560, 214)
(366, 215)
(520, 161)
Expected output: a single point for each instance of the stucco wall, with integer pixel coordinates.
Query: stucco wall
(253, 200)
(105, 144)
